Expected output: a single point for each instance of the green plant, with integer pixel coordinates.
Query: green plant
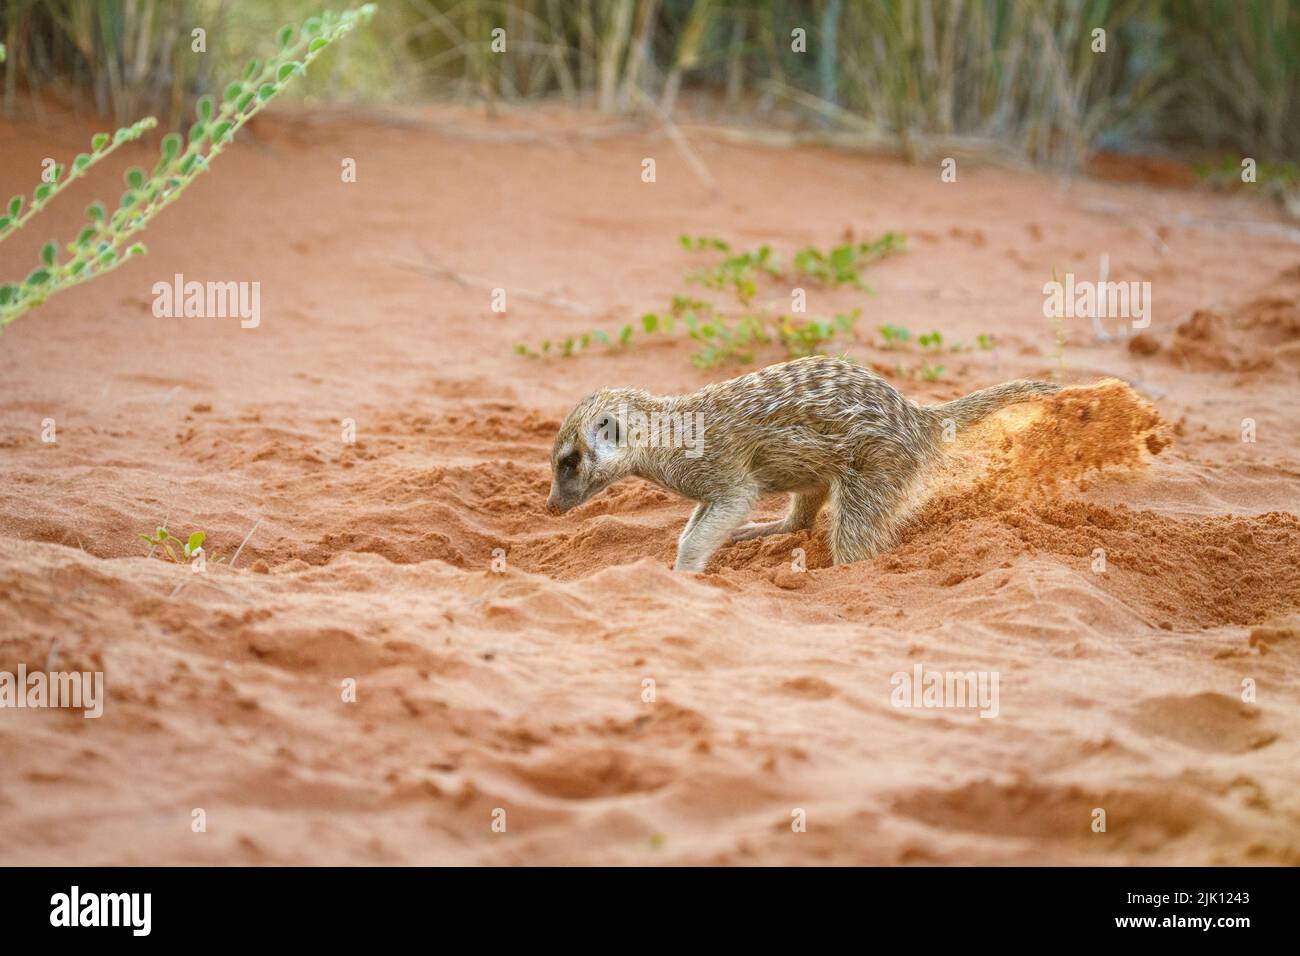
(104, 243)
(728, 338)
(933, 340)
(843, 264)
(895, 336)
(737, 271)
(807, 338)
(191, 547)
(14, 217)
(931, 373)
(698, 243)
(725, 342)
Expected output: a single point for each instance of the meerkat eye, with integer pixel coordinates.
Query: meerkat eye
(570, 461)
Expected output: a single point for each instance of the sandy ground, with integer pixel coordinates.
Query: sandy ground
(523, 690)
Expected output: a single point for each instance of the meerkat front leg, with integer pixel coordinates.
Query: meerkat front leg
(804, 507)
(693, 520)
(709, 528)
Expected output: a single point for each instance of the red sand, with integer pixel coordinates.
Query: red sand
(523, 690)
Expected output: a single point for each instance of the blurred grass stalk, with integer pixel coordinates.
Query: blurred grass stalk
(1021, 74)
(132, 55)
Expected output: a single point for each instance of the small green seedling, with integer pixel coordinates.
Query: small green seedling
(807, 338)
(739, 272)
(701, 243)
(931, 373)
(191, 547)
(895, 336)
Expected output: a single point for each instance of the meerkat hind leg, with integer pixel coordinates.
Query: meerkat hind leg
(804, 506)
(862, 517)
(709, 528)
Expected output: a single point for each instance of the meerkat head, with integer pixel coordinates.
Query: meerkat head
(590, 451)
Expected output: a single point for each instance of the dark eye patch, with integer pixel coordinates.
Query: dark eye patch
(569, 463)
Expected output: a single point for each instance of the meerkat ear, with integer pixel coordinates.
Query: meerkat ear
(606, 435)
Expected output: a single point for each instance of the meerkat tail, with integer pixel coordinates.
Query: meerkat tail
(971, 408)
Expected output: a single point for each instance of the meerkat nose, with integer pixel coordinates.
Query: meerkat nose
(552, 507)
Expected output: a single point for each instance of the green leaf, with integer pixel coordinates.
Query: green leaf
(128, 200)
(286, 35)
(86, 235)
(39, 277)
(98, 142)
(197, 132)
(42, 192)
(96, 211)
(188, 163)
(171, 146)
(267, 91)
(650, 321)
(195, 542)
(287, 70)
(81, 162)
(134, 177)
(252, 69)
(77, 267)
(233, 91)
(219, 134)
(311, 27)
(15, 206)
(205, 108)
(317, 44)
(241, 104)
(48, 253)
(4, 223)
(136, 249)
(8, 293)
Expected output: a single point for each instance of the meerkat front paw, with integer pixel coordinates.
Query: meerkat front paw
(757, 529)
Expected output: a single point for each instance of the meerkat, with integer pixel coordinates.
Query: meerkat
(826, 430)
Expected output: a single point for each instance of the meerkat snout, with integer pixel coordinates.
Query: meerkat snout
(587, 456)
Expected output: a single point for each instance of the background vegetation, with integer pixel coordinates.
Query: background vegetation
(1018, 75)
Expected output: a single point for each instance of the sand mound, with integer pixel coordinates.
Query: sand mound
(1012, 489)
(1261, 334)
